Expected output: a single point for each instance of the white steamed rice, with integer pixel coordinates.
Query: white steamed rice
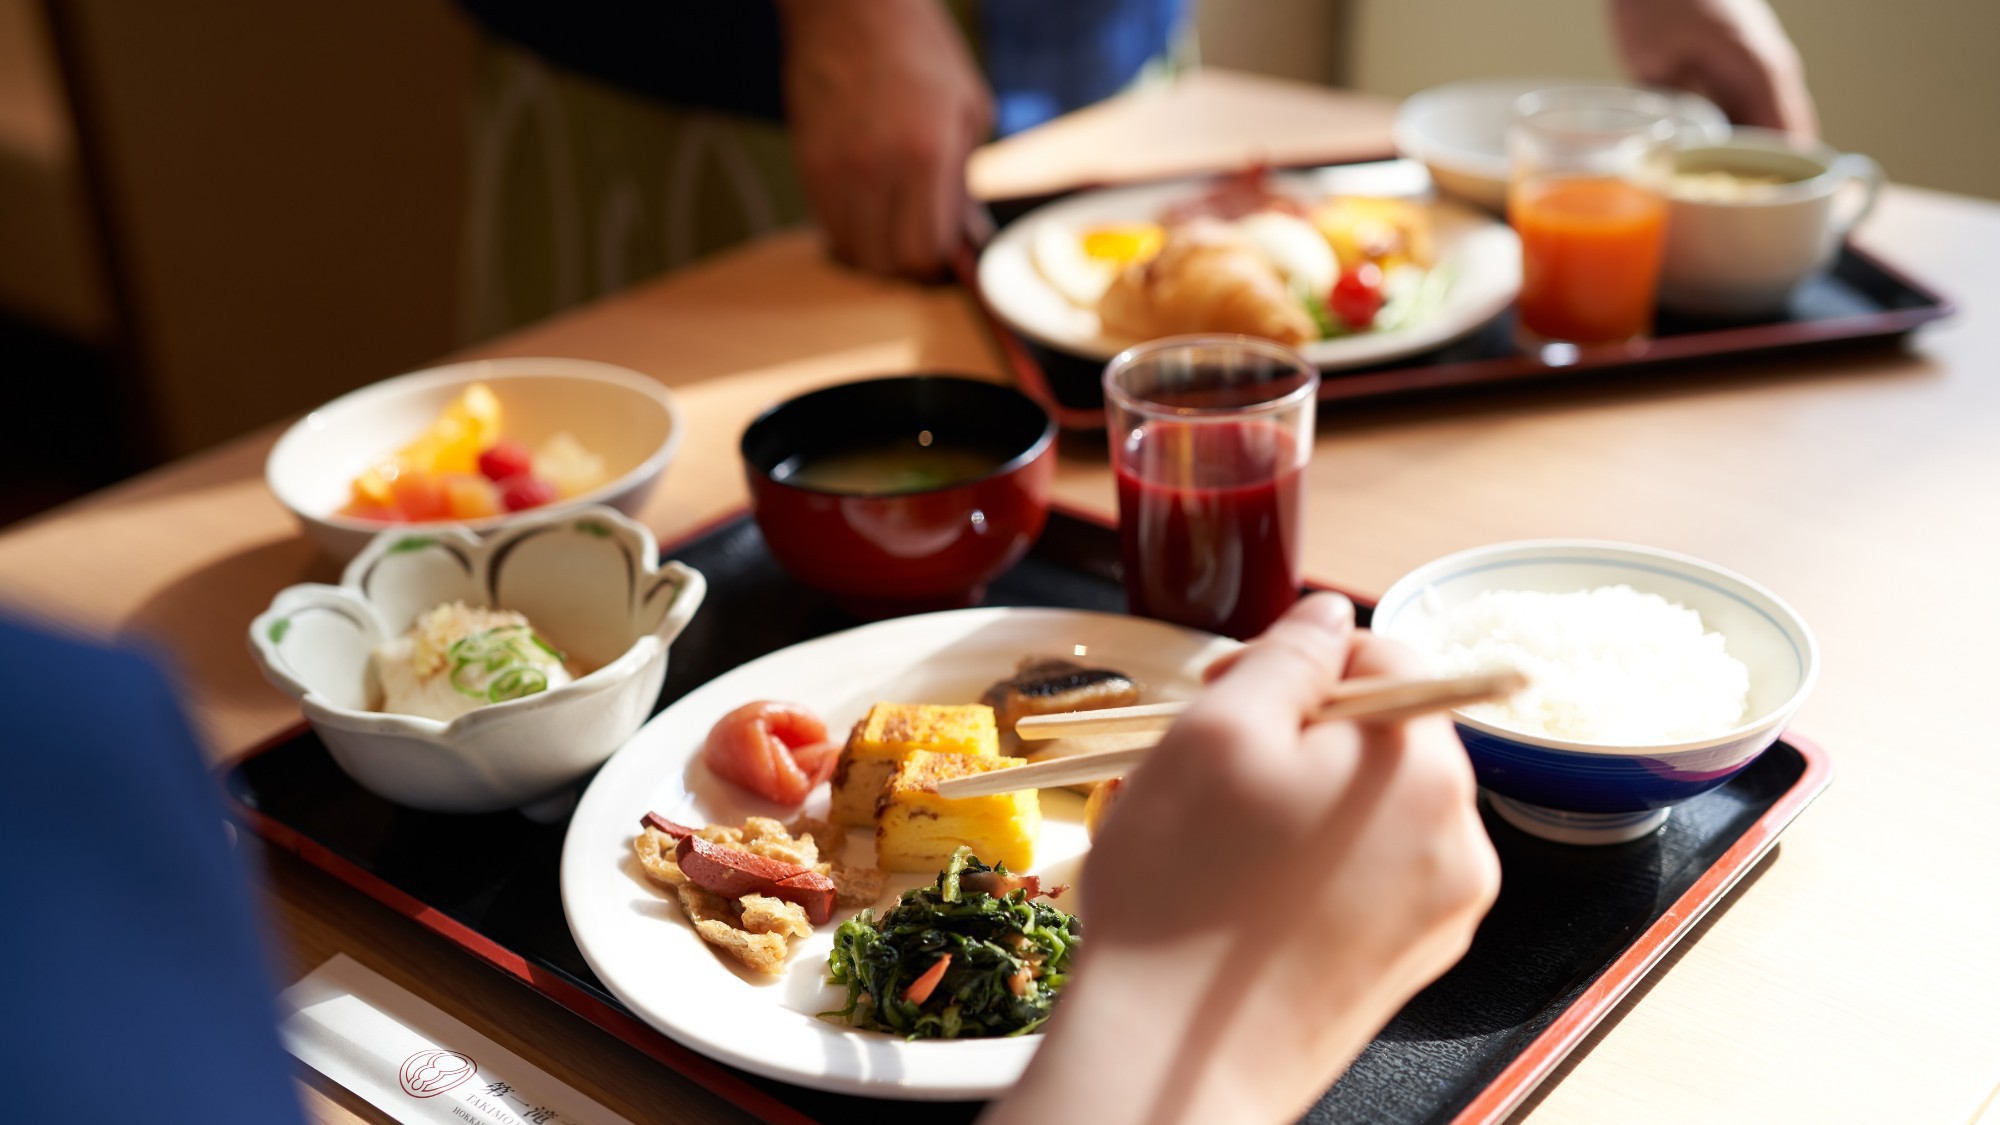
(1609, 666)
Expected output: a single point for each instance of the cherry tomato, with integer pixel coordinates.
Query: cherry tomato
(505, 459)
(778, 751)
(1357, 296)
(526, 490)
(420, 497)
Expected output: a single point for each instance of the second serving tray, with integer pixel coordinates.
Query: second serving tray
(1858, 299)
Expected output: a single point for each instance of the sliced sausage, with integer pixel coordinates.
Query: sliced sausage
(733, 874)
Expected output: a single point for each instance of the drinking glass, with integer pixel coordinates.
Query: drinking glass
(1210, 436)
(1590, 166)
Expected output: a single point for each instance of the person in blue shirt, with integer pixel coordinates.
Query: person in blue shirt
(885, 99)
(138, 987)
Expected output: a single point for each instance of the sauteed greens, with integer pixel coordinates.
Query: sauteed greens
(950, 961)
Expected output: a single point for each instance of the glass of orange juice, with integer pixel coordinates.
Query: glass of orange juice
(1589, 169)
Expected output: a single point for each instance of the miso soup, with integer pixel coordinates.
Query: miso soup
(914, 464)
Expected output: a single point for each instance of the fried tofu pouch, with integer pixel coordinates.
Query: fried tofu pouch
(754, 929)
(1206, 278)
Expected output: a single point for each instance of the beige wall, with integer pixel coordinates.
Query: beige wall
(48, 255)
(1287, 38)
(1913, 83)
(286, 182)
(284, 189)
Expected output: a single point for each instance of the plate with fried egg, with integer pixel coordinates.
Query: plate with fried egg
(1352, 265)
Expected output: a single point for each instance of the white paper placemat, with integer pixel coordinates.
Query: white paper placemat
(414, 1062)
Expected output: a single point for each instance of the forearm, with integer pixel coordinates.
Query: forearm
(1734, 52)
(1172, 1032)
(1107, 1055)
(810, 17)
(885, 103)
(1265, 894)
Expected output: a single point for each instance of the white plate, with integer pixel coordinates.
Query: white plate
(1483, 252)
(640, 944)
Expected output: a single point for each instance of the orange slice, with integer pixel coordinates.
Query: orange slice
(452, 444)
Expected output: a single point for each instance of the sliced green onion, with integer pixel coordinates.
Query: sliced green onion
(517, 682)
(505, 657)
(459, 684)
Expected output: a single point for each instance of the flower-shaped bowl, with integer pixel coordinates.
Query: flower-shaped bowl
(590, 581)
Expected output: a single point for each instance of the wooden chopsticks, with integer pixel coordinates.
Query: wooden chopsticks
(1371, 697)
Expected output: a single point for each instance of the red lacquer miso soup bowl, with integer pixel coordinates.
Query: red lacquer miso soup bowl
(901, 495)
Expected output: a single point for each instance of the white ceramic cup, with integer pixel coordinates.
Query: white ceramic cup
(1744, 256)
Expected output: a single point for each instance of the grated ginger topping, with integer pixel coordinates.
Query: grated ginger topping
(436, 630)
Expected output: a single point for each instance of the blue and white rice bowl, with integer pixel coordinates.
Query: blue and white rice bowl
(1582, 793)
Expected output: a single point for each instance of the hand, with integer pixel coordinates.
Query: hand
(885, 105)
(1264, 895)
(1732, 52)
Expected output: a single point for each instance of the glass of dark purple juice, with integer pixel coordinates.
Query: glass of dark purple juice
(1210, 436)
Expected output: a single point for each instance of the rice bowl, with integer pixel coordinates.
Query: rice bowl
(1582, 791)
(1608, 665)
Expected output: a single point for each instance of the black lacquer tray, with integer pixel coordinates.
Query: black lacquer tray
(1859, 298)
(1573, 931)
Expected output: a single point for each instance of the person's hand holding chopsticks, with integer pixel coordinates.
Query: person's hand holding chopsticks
(1265, 894)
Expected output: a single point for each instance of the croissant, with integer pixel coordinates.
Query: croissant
(1205, 278)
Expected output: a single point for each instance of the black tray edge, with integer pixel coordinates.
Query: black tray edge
(1501, 1096)
(1500, 371)
(1540, 1058)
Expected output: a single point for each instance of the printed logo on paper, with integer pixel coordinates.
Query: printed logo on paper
(427, 1074)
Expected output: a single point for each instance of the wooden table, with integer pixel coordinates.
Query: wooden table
(1853, 979)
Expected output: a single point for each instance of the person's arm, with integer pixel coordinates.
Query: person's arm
(1732, 52)
(1263, 896)
(138, 986)
(884, 104)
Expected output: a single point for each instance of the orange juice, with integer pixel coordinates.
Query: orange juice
(1590, 257)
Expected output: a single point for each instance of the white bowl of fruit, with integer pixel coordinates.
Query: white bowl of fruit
(473, 445)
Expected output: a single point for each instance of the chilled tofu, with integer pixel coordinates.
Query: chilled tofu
(458, 658)
(891, 733)
(917, 830)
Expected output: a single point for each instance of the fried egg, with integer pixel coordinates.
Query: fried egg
(1082, 265)
(1059, 257)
